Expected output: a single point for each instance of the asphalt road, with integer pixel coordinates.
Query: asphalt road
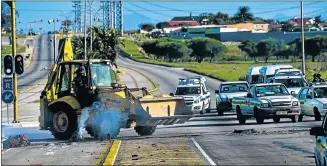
(40, 65)
(284, 143)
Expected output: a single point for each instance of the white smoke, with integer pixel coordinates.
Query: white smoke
(103, 121)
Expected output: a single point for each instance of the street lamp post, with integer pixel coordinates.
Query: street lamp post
(90, 4)
(54, 38)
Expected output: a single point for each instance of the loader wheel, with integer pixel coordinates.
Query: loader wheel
(317, 114)
(63, 123)
(145, 130)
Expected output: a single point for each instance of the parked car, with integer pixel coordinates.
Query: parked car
(226, 92)
(313, 100)
(266, 101)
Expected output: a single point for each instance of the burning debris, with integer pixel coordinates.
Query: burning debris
(105, 123)
(15, 141)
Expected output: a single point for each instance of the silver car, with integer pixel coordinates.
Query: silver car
(226, 92)
(313, 100)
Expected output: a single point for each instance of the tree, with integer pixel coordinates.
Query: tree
(287, 27)
(176, 50)
(315, 46)
(215, 48)
(105, 44)
(267, 48)
(162, 25)
(317, 20)
(243, 14)
(249, 47)
(6, 16)
(147, 27)
(205, 48)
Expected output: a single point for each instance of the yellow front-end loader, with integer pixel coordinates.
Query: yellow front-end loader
(75, 84)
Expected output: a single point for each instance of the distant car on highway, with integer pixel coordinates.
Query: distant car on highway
(269, 71)
(195, 92)
(252, 76)
(320, 149)
(266, 101)
(226, 92)
(293, 83)
(313, 101)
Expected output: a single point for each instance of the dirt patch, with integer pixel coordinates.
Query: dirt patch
(158, 151)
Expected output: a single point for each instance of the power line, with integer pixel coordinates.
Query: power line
(142, 15)
(169, 7)
(165, 15)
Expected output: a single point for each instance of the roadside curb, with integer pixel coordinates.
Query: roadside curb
(154, 84)
(22, 125)
(30, 59)
(32, 87)
(208, 75)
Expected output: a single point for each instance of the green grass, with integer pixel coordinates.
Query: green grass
(229, 71)
(7, 49)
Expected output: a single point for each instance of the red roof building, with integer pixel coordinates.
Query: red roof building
(183, 22)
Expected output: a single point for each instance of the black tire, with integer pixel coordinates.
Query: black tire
(258, 116)
(301, 118)
(145, 130)
(202, 111)
(90, 131)
(240, 117)
(317, 114)
(220, 112)
(276, 119)
(208, 110)
(69, 126)
(316, 160)
(295, 118)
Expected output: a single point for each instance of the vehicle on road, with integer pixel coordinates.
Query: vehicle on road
(76, 84)
(293, 83)
(195, 92)
(313, 101)
(320, 149)
(226, 92)
(266, 101)
(252, 76)
(269, 71)
(288, 72)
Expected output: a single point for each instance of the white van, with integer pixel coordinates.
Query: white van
(252, 76)
(269, 71)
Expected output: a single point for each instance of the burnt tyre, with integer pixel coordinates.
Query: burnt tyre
(145, 130)
(63, 123)
(295, 118)
(317, 114)
(300, 118)
(240, 117)
(91, 132)
(276, 119)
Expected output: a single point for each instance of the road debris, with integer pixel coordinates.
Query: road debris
(15, 141)
(246, 131)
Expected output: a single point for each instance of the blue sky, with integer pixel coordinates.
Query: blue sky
(136, 13)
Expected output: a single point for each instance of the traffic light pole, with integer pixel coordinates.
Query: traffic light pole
(13, 31)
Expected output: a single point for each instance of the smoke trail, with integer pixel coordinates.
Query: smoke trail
(103, 121)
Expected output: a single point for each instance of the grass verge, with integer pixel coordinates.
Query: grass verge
(8, 49)
(225, 71)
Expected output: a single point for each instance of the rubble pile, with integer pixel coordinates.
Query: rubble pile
(15, 141)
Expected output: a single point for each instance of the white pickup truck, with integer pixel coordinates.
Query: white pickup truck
(266, 101)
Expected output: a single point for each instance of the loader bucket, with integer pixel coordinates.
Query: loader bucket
(152, 111)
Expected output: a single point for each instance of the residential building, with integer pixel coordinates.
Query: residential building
(298, 21)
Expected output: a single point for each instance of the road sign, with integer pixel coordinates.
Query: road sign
(7, 97)
(7, 84)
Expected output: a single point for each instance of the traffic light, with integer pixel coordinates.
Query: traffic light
(19, 64)
(8, 65)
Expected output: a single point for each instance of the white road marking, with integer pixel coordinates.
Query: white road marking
(203, 152)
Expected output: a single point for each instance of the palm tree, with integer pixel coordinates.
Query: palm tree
(243, 14)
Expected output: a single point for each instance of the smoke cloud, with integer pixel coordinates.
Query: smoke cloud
(102, 120)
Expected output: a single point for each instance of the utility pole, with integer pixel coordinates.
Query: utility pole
(13, 31)
(54, 38)
(85, 31)
(90, 3)
(302, 34)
